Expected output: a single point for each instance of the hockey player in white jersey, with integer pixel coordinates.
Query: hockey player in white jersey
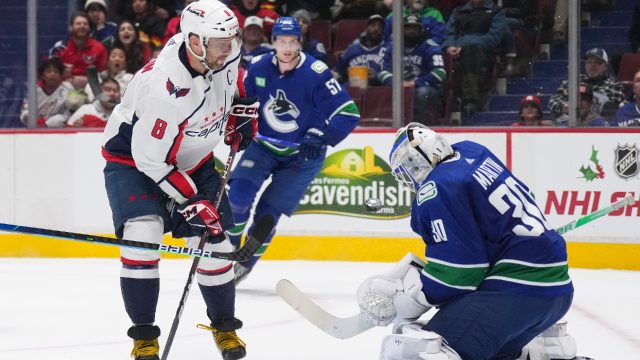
(158, 146)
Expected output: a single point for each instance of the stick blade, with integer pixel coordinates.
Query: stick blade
(258, 236)
(338, 327)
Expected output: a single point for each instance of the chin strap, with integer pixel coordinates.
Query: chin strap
(203, 41)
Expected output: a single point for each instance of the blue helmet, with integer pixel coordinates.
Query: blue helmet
(286, 25)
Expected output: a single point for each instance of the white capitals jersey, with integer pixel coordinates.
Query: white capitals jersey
(171, 118)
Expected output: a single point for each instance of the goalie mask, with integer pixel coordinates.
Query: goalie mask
(416, 150)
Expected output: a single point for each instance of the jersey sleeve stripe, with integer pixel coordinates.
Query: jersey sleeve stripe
(181, 183)
(348, 108)
(173, 150)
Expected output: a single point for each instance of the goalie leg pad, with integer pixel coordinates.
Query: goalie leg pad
(413, 343)
(553, 343)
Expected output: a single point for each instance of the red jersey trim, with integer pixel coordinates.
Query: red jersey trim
(216, 271)
(202, 162)
(181, 184)
(138, 262)
(117, 158)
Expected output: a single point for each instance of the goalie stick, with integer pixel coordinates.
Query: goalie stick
(347, 327)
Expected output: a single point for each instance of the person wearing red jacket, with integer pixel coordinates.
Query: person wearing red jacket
(80, 52)
(245, 8)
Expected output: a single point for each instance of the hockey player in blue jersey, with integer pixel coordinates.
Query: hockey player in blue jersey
(299, 103)
(496, 270)
(423, 69)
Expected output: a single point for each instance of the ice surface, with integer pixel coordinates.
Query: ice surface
(71, 309)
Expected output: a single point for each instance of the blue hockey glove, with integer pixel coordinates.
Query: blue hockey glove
(312, 144)
(242, 125)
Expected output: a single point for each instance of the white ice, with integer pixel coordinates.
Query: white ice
(71, 309)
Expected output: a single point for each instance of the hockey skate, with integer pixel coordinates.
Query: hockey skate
(227, 341)
(145, 342)
(241, 272)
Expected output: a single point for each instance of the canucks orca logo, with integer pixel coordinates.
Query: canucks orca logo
(176, 90)
(281, 113)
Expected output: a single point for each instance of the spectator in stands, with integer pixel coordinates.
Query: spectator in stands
(101, 29)
(246, 8)
(149, 26)
(359, 9)
(318, 9)
(634, 30)
(429, 16)
(310, 45)
(587, 109)
(629, 114)
(165, 9)
(96, 114)
(173, 25)
(423, 69)
(253, 40)
(116, 69)
(519, 15)
(51, 96)
(531, 113)
(137, 53)
(368, 50)
(80, 52)
(604, 87)
(472, 34)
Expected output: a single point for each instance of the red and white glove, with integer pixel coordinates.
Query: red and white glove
(242, 125)
(199, 212)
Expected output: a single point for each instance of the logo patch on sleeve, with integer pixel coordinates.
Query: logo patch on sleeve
(260, 81)
(427, 192)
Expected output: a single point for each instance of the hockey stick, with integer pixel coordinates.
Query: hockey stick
(346, 327)
(203, 240)
(96, 89)
(241, 254)
(275, 141)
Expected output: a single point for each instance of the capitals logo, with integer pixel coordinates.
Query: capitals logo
(176, 90)
(281, 113)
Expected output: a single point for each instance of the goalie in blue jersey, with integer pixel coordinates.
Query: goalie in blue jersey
(300, 103)
(495, 269)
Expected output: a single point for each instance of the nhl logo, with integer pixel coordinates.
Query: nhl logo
(627, 162)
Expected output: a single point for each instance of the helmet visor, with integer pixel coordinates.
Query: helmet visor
(408, 166)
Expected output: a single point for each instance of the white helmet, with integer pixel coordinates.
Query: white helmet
(208, 19)
(415, 152)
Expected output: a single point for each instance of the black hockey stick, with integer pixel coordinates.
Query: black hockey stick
(242, 254)
(96, 89)
(262, 230)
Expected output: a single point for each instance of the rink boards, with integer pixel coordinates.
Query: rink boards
(54, 180)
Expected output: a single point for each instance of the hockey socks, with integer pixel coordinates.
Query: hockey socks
(220, 300)
(140, 298)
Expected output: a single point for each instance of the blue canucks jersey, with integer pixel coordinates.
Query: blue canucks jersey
(628, 115)
(423, 64)
(360, 55)
(303, 98)
(484, 231)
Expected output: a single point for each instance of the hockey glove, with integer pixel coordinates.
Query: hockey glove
(312, 144)
(199, 212)
(242, 125)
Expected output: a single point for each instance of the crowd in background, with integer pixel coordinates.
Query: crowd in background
(456, 44)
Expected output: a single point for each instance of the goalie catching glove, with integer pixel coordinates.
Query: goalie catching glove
(395, 295)
(242, 125)
(199, 212)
